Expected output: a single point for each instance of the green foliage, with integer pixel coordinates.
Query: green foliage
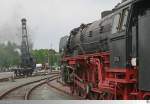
(8, 55)
(46, 56)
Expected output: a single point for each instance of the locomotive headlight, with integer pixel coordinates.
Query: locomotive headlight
(133, 61)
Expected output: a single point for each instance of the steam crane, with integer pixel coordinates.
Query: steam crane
(27, 62)
(25, 54)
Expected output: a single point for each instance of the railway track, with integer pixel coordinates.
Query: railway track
(48, 92)
(28, 94)
(5, 77)
(22, 92)
(37, 74)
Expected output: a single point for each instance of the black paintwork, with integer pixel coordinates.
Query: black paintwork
(125, 44)
(144, 50)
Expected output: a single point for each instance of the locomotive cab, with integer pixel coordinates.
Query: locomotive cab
(130, 39)
(118, 37)
(141, 40)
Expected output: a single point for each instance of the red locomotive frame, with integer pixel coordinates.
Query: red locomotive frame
(99, 81)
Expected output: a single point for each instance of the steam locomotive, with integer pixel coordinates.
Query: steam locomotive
(109, 58)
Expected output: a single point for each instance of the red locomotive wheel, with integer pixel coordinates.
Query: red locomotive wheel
(93, 96)
(72, 90)
(106, 96)
(80, 92)
(147, 97)
(76, 91)
(83, 93)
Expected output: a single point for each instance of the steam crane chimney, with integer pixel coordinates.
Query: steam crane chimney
(24, 45)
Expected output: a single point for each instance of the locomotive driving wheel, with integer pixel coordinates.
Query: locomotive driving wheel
(80, 92)
(147, 97)
(83, 93)
(76, 91)
(93, 96)
(72, 89)
(106, 96)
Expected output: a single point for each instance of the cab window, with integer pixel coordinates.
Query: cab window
(116, 20)
(124, 18)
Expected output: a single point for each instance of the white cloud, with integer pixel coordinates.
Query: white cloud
(48, 20)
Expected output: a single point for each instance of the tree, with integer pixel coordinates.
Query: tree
(8, 55)
(46, 56)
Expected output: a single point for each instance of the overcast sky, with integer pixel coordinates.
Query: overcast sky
(48, 20)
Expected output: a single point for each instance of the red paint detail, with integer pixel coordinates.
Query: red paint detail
(96, 72)
(72, 62)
